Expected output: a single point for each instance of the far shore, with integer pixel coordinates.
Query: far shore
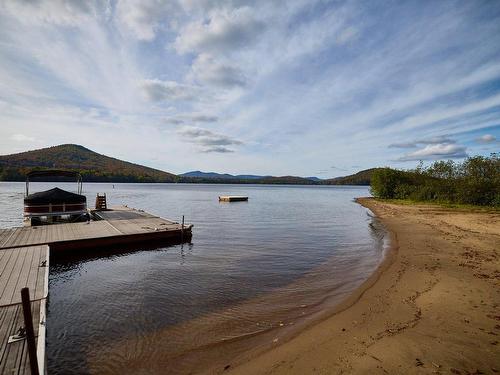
(433, 306)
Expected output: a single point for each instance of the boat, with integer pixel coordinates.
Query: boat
(54, 205)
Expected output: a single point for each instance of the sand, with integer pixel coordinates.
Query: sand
(433, 306)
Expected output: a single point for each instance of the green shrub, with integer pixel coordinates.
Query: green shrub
(474, 181)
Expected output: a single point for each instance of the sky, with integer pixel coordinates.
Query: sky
(300, 87)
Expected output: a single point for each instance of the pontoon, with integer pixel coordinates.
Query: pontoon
(54, 205)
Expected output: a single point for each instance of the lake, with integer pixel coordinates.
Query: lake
(254, 273)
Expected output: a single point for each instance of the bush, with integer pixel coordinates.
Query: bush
(475, 181)
(385, 182)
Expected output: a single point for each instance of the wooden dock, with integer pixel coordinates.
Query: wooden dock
(121, 225)
(24, 262)
(22, 267)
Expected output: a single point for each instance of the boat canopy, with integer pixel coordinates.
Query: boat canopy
(54, 196)
(53, 173)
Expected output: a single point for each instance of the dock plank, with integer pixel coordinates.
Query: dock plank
(9, 270)
(12, 278)
(22, 270)
(42, 277)
(26, 268)
(14, 356)
(4, 260)
(4, 233)
(34, 270)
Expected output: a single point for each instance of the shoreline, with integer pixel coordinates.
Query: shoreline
(402, 319)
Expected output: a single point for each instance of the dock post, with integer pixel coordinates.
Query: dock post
(182, 229)
(30, 333)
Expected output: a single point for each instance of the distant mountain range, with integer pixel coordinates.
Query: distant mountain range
(95, 167)
(200, 174)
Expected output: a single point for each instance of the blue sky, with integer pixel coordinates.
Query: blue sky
(302, 87)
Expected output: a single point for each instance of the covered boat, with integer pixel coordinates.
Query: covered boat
(54, 205)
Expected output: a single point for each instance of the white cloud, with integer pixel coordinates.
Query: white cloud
(60, 12)
(218, 149)
(202, 118)
(144, 18)
(22, 138)
(206, 69)
(487, 138)
(226, 29)
(156, 90)
(443, 139)
(403, 145)
(191, 118)
(210, 141)
(436, 151)
(442, 113)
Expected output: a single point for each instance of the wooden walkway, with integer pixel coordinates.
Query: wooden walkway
(117, 226)
(24, 262)
(19, 268)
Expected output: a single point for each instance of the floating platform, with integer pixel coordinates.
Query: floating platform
(232, 198)
(24, 262)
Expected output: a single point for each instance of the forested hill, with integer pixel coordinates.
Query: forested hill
(360, 178)
(93, 166)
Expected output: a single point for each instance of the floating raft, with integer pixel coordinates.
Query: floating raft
(24, 262)
(232, 198)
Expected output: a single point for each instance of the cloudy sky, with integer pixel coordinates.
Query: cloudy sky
(302, 87)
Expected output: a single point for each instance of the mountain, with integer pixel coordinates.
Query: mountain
(94, 167)
(204, 175)
(288, 180)
(200, 174)
(215, 178)
(360, 178)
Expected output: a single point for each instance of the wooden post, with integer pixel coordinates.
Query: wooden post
(182, 229)
(30, 333)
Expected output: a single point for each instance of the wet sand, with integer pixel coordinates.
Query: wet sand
(432, 307)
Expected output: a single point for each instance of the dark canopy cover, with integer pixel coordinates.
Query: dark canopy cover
(52, 173)
(54, 196)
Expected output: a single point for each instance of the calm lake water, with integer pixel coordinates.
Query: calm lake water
(254, 272)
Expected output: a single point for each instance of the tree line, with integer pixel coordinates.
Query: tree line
(474, 181)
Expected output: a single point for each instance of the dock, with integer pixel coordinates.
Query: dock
(120, 225)
(22, 267)
(24, 262)
(232, 198)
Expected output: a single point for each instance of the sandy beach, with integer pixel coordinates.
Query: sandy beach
(432, 307)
